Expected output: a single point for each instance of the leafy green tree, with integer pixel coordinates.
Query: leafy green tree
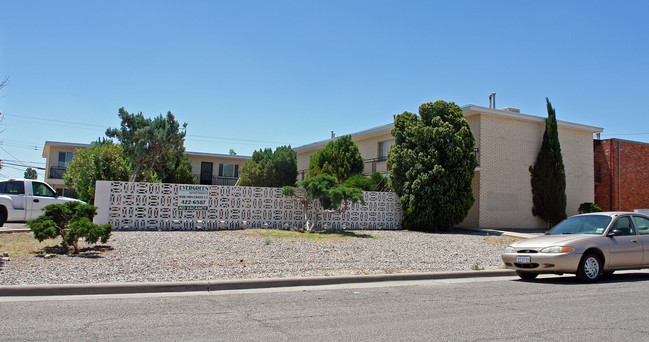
(548, 175)
(71, 221)
(31, 173)
(340, 158)
(431, 165)
(152, 145)
(270, 169)
(178, 171)
(333, 197)
(103, 160)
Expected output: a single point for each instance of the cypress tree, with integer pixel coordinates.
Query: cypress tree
(549, 175)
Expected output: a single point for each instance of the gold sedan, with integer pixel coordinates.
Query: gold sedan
(588, 245)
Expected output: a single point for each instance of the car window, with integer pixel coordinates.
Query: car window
(583, 224)
(624, 225)
(40, 189)
(643, 224)
(12, 188)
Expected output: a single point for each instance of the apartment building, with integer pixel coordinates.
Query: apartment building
(208, 168)
(506, 145)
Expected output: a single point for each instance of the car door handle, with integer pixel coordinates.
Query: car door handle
(634, 240)
(36, 200)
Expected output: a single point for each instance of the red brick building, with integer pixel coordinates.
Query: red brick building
(621, 174)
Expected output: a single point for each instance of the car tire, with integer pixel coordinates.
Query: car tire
(527, 276)
(590, 268)
(607, 274)
(3, 218)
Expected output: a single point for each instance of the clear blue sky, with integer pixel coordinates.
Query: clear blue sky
(252, 74)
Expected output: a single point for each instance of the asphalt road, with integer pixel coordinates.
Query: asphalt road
(480, 309)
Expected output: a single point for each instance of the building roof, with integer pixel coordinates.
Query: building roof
(468, 110)
(48, 144)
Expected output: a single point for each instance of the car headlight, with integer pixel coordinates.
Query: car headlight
(510, 249)
(556, 249)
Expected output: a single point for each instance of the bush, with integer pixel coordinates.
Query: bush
(376, 182)
(72, 221)
(588, 207)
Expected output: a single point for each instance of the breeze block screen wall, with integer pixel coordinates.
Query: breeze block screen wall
(157, 206)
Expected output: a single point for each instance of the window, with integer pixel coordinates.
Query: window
(642, 224)
(624, 225)
(12, 188)
(228, 170)
(384, 147)
(40, 189)
(64, 159)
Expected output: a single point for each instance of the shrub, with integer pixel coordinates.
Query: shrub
(72, 221)
(588, 207)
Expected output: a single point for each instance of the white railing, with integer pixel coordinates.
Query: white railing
(155, 206)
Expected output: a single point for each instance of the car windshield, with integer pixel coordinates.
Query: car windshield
(588, 224)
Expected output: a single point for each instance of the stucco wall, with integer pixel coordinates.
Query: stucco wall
(216, 160)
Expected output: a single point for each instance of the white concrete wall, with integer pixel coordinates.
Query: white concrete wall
(155, 206)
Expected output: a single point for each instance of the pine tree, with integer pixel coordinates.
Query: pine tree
(549, 175)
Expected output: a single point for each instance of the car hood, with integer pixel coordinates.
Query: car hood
(69, 199)
(552, 240)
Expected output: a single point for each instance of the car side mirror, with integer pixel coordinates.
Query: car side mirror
(615, 232)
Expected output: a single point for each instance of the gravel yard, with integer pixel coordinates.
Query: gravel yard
(247, 254)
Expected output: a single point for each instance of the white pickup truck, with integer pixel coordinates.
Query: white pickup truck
(22, 200)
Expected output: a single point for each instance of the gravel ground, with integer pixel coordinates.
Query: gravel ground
(245, 254)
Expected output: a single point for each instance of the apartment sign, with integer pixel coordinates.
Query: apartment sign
(193, 197)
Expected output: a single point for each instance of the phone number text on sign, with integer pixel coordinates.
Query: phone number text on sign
(193, 197)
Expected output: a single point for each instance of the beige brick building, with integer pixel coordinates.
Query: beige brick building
(507, 143)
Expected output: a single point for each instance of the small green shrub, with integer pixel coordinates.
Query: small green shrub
(72, 221)
(588, 207)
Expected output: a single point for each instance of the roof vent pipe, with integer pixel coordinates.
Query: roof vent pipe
(492, 100)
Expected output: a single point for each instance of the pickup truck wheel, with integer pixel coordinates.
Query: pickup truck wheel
(2, 218)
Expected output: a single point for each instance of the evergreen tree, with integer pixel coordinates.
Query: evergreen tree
(431, 166)
(340, 158)
(270, 169)
(154, 146)
(548, 175)
(31, 173)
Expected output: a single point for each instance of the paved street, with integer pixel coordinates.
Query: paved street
(493, 309)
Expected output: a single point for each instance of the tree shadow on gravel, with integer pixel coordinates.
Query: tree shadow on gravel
(93, 252)
(346, 233)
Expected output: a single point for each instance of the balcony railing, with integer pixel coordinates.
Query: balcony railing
(217, 180)
(57, 172)
(378, 164)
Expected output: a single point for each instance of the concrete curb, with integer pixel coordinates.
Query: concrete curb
(209, 286)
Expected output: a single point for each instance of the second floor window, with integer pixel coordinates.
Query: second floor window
(64, 159)
(384, 147)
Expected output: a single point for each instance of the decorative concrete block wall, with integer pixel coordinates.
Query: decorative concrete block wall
(156, 206)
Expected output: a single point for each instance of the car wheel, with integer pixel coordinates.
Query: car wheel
(2, 218)
(527, 275)
(590, 268)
